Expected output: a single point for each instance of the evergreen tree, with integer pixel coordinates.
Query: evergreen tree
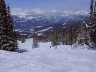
(56, 37)
(35, 41)
(75, 35)
(71, 36)
(7, 39)
(92, 22)
(83, 36)
(11, 40)
(3, 25)
(63, 37)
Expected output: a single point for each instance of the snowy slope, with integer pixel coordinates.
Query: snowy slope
(46, 59)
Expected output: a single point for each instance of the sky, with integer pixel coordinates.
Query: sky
(73, 5)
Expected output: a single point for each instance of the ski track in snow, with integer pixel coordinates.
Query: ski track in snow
(46, 59)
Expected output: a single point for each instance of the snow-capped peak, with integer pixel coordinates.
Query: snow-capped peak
(37, 11)
(81, 12)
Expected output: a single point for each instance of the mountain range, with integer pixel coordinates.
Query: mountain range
(42, 20)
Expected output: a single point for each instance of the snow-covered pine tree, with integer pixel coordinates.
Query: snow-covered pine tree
(71, 36)
(83, 36)
(3, 24)
(7, 41)
(53, 40)
(92, 22)
(11, 40)
(35, 41)
(74, 35)
(56, 37)
(63, 37)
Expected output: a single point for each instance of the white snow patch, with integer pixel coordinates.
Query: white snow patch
(46, 59)
(39, 26)
(23, 34)
(39, 34)
(17, 29)
(64, 23)
(43, 30)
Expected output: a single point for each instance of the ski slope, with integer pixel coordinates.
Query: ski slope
(46, 59)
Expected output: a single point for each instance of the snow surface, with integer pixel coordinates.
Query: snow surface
(46, 59)
(43, 30)
(40, 34)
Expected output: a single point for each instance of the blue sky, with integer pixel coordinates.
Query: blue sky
(73, 5)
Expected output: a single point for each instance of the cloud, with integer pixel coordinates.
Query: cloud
(37, 11)
(18, 11)
(81, 12)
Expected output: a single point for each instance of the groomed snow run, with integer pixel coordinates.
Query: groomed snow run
(46, 59)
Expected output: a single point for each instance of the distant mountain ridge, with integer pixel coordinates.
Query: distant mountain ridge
(25, 19)
(42, 22)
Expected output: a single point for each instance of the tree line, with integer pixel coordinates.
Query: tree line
(77, 35)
